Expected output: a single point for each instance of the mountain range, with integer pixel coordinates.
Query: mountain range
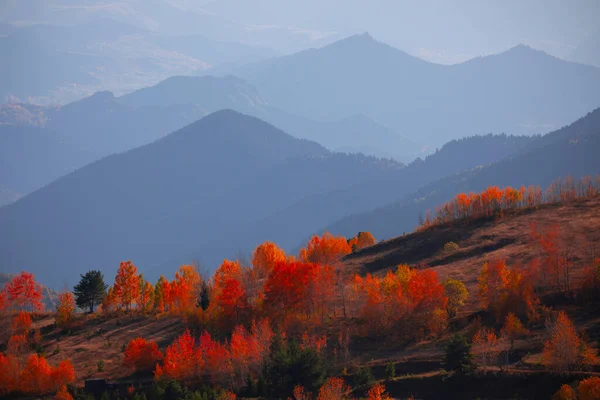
(520, 91)
(568, 151)
(220, 185)
(102, 124)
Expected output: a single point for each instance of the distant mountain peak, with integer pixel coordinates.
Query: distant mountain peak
(524, 50)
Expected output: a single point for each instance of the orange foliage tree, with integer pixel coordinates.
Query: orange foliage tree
(494, 200)
(415, 297)
(21, 323)
(334, 389)
(513, 329)
(565, 392)
(162, 295)
(361, 240)
(23, 292)
(223, 364)
(145, 301)
(35, 376)
(264, 258)
(502, 290)
(485, 348)
(327, 249)
(63, 394)
(141, 355)
(589, 388)
(127, 285)
(65, 310)
(378, 392)
(185, 288)
(565, 350)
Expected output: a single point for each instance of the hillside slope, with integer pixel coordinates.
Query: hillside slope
(567, 151)
(484, 239)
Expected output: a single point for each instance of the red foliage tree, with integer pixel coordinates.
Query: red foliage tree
(589, 388)
(21, 323)
(141, 355)
(23, 292)
(179, 361)
(63, 394)
(378, 392)
(334, 389)
(327, 249)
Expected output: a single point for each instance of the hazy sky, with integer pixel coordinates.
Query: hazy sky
(439, 30)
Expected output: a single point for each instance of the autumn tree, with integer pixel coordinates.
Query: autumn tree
(334, 389)
(589, 388)
(287, 288)
(179, 362)
(486, 347)
(23, 292)
(21, 323)
(63, 394)
(65, 310)
(457, 294)
(146, 297)
(565, 392)
(325, 249)
(109, 303)
(378, 392)
(491, 283)
(512, 330)
(33, 377)
(185, 288)
(361, 240)
(565, 350)
(90, 290)
(127, 285)
(162, 295)
(141, 355)
(265, 257)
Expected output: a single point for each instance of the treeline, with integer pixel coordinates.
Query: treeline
(495, 200)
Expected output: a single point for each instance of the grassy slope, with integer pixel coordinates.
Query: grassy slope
(417, 367)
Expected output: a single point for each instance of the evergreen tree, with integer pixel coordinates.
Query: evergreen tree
(204, 297)
(458, 355)
(90, 290)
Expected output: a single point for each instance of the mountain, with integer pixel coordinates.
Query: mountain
(568, 151)
(521, 91)
(171, 197)
(216, 187)
(588, 51)
(353, 134)
(102, 124)
(31, 157)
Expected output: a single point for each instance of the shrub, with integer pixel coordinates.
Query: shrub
(363, 377)
(390, 370)
(450, 247)
(100, 365)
